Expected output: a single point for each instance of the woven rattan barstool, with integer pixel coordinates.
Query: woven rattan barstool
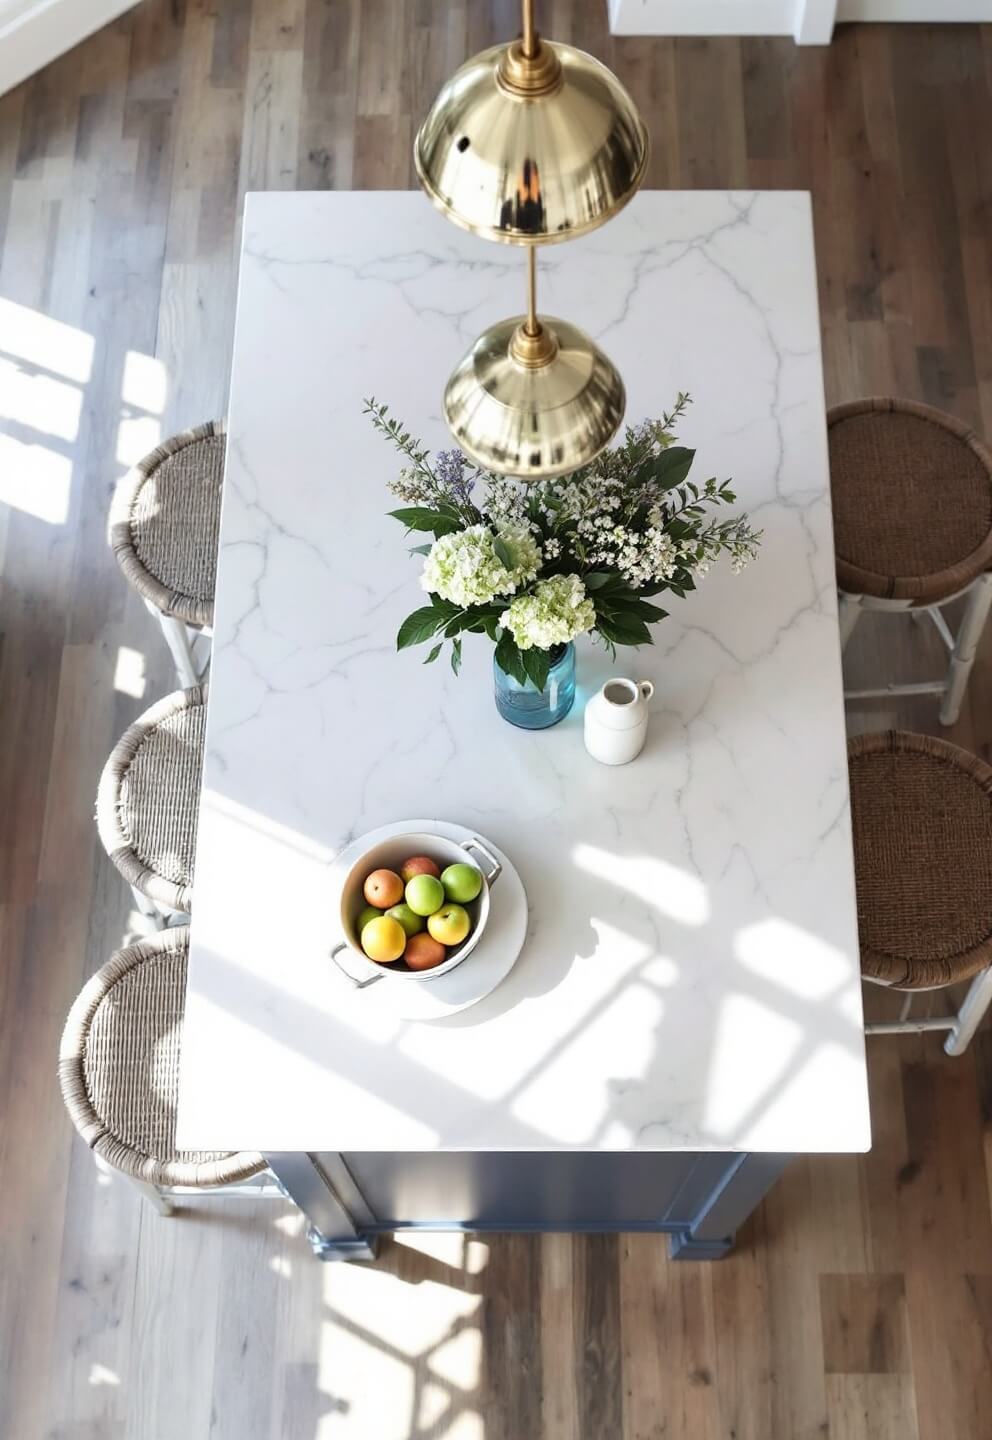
(164, 527)
(148, 801)
(922, 816)
(912, 503)
(119, 1072)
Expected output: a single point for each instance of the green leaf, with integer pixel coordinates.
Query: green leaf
(644, 611)
(420, 549)
(624, 630)
(503, 554)
(596, 579)
(672, 466)
(435, 652)
(510, 659)
(419, 517)
(446, 608)
(537, 663)
(456, 656)
(418, 627)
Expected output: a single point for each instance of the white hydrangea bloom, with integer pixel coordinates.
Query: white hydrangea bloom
(555, 613)
(465, 569)
(525, 551)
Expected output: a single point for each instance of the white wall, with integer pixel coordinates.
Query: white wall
(702, 17)
(34, 32)
(933, 10)
(810, 22)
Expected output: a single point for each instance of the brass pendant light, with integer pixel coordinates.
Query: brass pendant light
(529, 144)
(534, 397)
(557, 121)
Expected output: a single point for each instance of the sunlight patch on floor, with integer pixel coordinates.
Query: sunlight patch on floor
(129, 672)
(101, 1375)
(461, 1252)
(136, 436)
(404, 1353)
(291, 1223)
(28, 335)
(46, 404)
(145, 383)
(36, 480)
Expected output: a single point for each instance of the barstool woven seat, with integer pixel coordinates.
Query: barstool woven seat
(912, 501)
(922, 816)
(119, 1068)
(912, 506)
(165, 523)
(147, 803)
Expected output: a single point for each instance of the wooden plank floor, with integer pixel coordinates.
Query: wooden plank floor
(859, 1301)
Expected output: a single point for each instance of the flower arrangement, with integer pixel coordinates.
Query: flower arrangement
(534, 565)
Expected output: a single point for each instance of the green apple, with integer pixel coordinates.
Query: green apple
(409, 919)
(462, 883)
(450, 924)
(424, 894)
(369, 913)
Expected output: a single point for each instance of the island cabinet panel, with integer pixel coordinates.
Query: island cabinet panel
(699, 1199)
(540, 1190)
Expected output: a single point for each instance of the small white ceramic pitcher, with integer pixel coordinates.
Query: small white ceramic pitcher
(616, 721)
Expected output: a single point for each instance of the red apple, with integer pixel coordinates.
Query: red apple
(383, 888)
(422, 952)
(419, 865)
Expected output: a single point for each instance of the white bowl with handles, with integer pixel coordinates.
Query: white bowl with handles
(390, 855)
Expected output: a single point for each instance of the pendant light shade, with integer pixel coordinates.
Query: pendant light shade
(534, 405)
(527, 144)
(531, 149)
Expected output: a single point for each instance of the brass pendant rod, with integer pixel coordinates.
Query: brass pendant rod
(531, 324)
(529, 33)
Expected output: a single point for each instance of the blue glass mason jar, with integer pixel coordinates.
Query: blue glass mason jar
(534, 709)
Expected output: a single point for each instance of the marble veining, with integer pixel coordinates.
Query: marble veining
(690, 976)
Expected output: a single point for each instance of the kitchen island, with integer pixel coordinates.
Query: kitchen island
(685, 1013)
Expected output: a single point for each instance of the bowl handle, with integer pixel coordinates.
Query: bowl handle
(495, 869)
(358, 984)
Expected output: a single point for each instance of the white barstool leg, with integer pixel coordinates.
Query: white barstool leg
(145, 906)
(151, 916)
(178, 641)
(969, 1017)
(965, 645)
(153, 1195)
(848, 615)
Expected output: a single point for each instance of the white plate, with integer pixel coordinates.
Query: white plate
(479, 974)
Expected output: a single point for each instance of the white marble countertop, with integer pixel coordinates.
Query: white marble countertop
(690, 977)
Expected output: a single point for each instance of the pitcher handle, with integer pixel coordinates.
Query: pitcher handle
(646, 688)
